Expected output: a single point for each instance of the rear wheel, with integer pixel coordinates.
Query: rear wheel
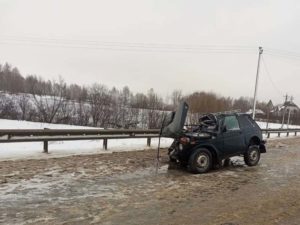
(200, 161)
(252, 156)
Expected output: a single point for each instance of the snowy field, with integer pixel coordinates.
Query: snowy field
(263, 125)
(64, 148)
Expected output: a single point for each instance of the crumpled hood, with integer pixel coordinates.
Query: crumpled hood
(174, 123)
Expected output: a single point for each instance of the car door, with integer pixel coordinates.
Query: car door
(233, 140)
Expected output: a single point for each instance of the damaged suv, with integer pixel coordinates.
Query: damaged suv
(214, 140)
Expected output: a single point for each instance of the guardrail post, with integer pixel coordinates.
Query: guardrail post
(278, 134)
(45, 146)
(287, 134)
(105, 143)
(295, 133)
(268, 135)
(148, 141)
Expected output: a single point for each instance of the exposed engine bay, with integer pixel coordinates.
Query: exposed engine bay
(207, 127)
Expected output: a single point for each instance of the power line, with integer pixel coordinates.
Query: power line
(290, 57)
(270, 78)
(141, 46)
(195, 51)
(285, 59)
(125, 46)
(283, 54)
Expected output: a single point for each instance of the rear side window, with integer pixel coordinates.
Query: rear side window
(231, 123)
(252, 122)
(245, 122)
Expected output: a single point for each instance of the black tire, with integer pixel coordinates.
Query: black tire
(183, 164)
(252, 156)
(172, 160)
(200, 161)
(216, 166)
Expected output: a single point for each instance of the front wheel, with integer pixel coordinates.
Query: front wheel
(252, 156)
(200, 161)
(172, 160)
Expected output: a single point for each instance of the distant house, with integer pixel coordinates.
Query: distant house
(258, 112)
(279, 110)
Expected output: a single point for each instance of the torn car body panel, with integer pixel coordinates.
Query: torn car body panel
(175, 122)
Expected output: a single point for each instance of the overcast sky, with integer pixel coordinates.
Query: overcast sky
(191, 45)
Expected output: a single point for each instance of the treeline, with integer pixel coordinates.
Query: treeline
(33, 98)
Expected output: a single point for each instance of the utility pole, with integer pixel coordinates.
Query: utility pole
(284, 110)
(289, 115)
(269, 108)
(260, 51)
(286, 97)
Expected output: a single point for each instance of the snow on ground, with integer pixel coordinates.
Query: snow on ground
(263, 125)
(64, 148)
(21, 124)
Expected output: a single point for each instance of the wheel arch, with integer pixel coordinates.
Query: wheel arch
(255, 140)
(214, 152)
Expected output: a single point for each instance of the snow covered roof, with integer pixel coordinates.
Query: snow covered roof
(287, 105)
(290, 104)
(257, 111)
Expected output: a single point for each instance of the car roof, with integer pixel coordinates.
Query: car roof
(219, 115)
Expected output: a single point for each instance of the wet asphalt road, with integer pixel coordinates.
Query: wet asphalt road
(126, 188)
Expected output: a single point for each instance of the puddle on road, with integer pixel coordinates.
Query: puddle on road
(69, 189)
(67, 186)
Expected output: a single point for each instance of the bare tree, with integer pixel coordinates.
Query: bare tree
(176, 98)
(49, 105)
(83, 113)
(10, 79)
(7, 108)
(23, 101)
(243, 103)
(99, 100)
(66, 112)
(140, 101)
(155, 103)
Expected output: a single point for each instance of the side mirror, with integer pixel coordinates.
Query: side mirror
(224, 128)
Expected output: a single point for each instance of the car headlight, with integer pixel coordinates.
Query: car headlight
(184, 140)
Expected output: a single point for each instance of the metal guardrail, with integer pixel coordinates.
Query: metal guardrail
(46, 135)
(280, 131)
(54, 132)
